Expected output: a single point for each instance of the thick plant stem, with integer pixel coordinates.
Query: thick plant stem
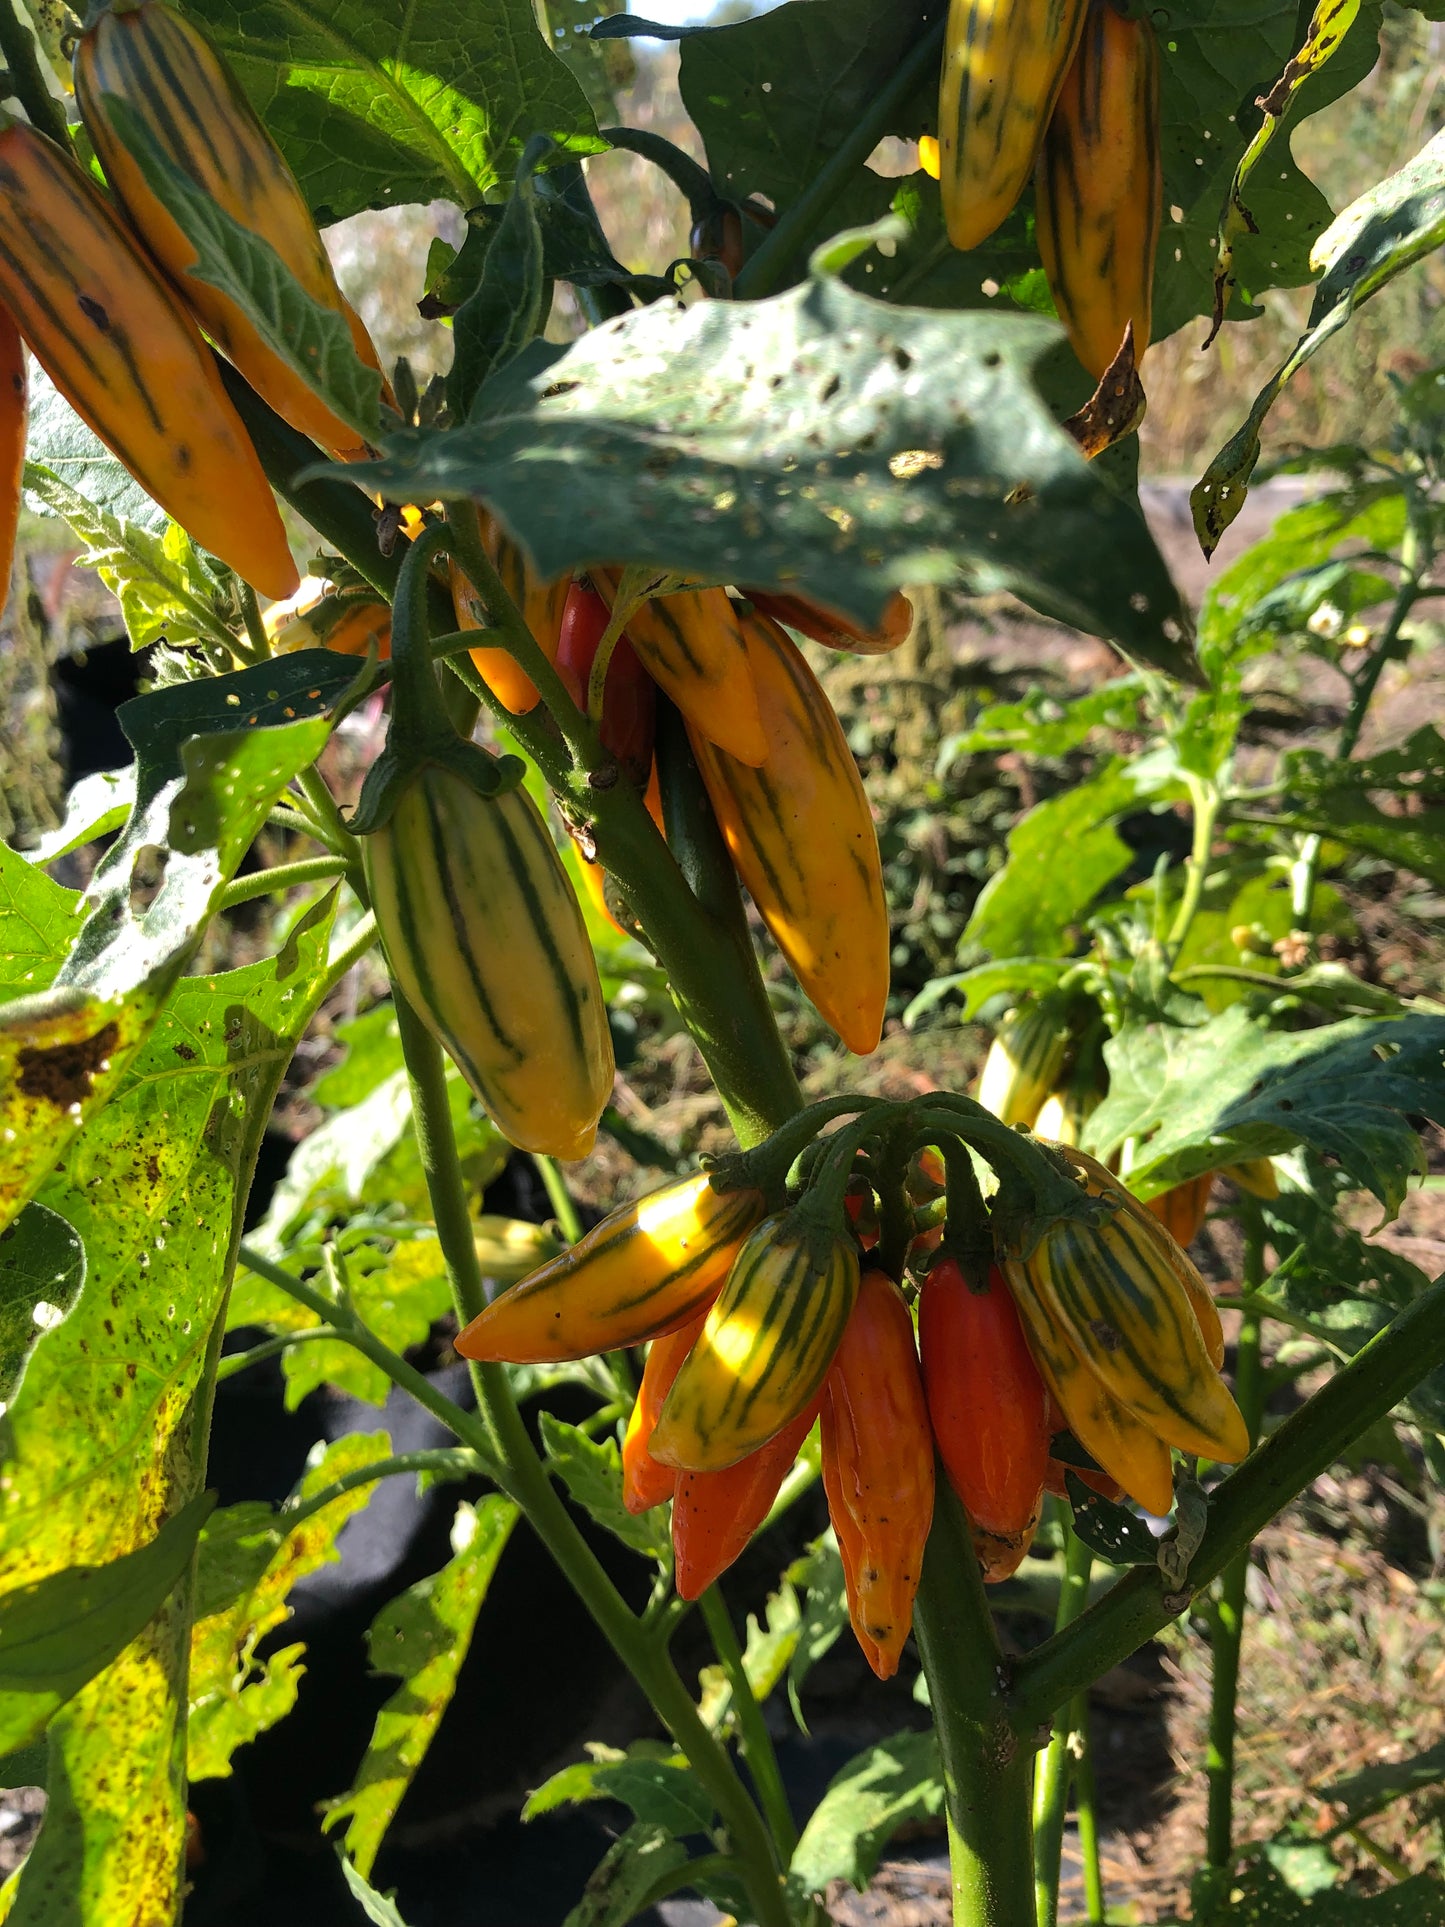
(1381, 1373)
(1055, 1764)
(521, 1474)
(987, 1766)
(1227, 1631)
(754, 1739)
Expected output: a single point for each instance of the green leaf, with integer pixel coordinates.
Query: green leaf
(986, 981)
(96, 805)
(60, 1631)
(250, 1559)
(1307, 1867)
(1336, 799)
(623, 1883)
(1060, 856)
(42, 1267)
(897, 1783)
(659, 1786)
(769, 1649)
(58, 441)
(1259, 1896)
(372, 1047)
(497, 320)
(380, 102)
(40, 925)
(1230, 1090)
(591, 1469)
(421, 1638)
(380, 1909)
(98, 1441)
(313, 341)
(1113, 1531)
(1044, 725)
(839, 446)
(824, 1613)
(163, 587)
(1378, 236)
(64, 1051)
(1370, 1791)
(1327, 31)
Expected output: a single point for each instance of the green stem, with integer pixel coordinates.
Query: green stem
(282, 876)
(27, 78)
(251, 616)
(328, 818)
(235, 1362)
(1055, 1763)
(987, 1767)
(463, 1425)
(521, 1474)
(559, 1197)
(1380, 1374)
(800, 224)
(754, 1740)
(1227, 1628)
(1206, 800)
(447, 1461)
(1086, 1811)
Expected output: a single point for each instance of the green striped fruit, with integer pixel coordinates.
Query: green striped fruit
(1118, 1293)
(165, 69)
(765, 1349)
(484, 936)
(1023, 1062)
(1066, 1112)
(646, 1269)
(1004, 62)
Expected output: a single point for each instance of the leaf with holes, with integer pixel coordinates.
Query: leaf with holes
(896, 1783)
(42, 1267)
(1397, 223)
(819, 443)
(99, 1444)
(380, 102)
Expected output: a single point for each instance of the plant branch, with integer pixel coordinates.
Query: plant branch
(282, 876)
(1383, 1372)
(1055, 1764)
(448, 1461)
(754, 1740)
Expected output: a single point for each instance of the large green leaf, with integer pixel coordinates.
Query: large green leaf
(1232, 1090)
(421, 1638)
(896, 1783)
(1259, 1896)
(59, 441)
(100, 1442)
(1376, 1787)
(1389, 228)
(199, 801)
(641, 1862)
(60, 1631)
(820, 442)
(1060, 856)
(658, 1785)
(379, 102)
(251, 1558)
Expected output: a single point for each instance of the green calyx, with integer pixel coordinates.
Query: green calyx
(420, 736)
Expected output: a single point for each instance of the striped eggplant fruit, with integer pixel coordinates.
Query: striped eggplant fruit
(161, 64)
(1004, 62)
(1118, 1292)
(124, 352)
(484, 935)
(765, 1348)
(1100, 188)
(644, 1270)
(1024, 1061)
(801, 837)
(692, 646)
